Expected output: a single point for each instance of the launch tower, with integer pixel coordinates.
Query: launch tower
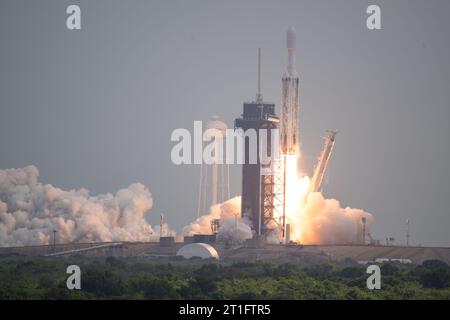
(257, 183)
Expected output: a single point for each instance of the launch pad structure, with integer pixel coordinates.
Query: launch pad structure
(261, 187)
(264, 185)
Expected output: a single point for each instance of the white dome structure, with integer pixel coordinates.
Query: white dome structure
(201, 250)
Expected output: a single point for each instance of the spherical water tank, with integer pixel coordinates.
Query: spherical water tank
(201, 250)
(218, 125)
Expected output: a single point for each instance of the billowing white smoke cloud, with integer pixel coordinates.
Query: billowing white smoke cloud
(30, 211)
(323, 221)
(230, 230)
(320, 220)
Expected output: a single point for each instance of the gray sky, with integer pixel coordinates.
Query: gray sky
(95, 108)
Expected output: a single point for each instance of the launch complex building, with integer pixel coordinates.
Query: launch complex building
(263, 200)
(263, 192)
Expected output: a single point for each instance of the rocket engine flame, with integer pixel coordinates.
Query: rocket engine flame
(315, 219)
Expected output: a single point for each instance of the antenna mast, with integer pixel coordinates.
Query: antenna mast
(407, 232)
(161, 222)
(54, 240)
(363, 219)
(259, 97)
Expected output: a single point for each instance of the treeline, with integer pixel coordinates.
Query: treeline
(112, 278)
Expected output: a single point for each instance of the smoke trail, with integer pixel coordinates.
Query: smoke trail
(30, 211)
(232, 227)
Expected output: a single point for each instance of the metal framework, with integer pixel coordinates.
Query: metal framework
(215, 225)
(273, 193)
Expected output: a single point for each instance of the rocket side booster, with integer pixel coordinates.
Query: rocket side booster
(289, 100)
(322, 163)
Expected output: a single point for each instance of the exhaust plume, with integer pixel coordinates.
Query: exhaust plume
(324, 221)
(232, 228)
(31, 211)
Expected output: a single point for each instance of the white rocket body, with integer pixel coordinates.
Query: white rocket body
(290, 100)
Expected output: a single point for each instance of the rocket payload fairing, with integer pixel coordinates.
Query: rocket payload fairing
(290, 101)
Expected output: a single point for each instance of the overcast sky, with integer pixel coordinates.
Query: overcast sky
(95, 108)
